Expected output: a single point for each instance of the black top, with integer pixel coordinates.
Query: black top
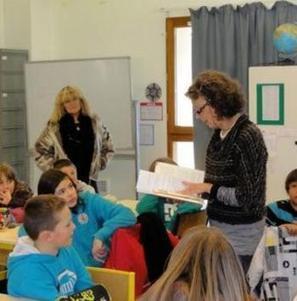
(238, 162)
(78, 143)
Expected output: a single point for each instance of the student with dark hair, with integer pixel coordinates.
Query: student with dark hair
(43, 265)
(143, 249)
(95, 218)
(66, 166)
(284, 212)
(271, 274)
(13, 193)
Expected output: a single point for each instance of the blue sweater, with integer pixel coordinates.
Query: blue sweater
(97, 218)
(45, 277)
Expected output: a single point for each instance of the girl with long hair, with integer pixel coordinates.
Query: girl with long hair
(202, 267)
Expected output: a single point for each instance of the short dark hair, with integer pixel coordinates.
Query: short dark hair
(221, 92)
(49, 181)
(62, 163)
(40, 214)
(291, 177)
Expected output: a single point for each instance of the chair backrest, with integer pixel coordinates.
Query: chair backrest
(120, 284)
(188, 220)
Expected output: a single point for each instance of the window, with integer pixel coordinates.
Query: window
(179, 77)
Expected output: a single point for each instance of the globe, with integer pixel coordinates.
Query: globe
(285, 40)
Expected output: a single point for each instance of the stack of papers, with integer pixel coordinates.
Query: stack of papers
(167, 180)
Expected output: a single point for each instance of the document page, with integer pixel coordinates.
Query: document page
(187, 174)
(163, 185)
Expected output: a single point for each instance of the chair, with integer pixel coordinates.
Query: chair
(186, 221)
(120, 284)
(3, 273)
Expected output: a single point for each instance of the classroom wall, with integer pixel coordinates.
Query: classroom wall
(15, 24)
(65, 29)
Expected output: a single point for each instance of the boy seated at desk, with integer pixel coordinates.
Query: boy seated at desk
(66, 166)
(272, 273)
(13, 193)
(43, 265)
(284, 213)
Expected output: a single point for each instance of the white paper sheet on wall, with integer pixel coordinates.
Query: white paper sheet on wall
(270, 102)
(270, 142)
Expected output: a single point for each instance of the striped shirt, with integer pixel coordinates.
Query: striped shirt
(236, 166)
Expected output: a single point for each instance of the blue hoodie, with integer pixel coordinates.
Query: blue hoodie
(45, 277)
(98, 218)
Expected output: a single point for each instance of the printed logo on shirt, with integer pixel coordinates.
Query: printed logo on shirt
(83, 218)
(67, 280)
(169, 210)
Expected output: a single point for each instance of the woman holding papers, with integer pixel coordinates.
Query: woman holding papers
(235, 171)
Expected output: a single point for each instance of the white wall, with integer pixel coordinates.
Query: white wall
(63, 29)
(15, 32)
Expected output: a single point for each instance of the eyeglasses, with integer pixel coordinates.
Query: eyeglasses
(199, 111)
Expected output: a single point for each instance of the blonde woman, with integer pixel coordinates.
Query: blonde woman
(202, 267)
(73, 133)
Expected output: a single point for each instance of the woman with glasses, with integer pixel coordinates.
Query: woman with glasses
(235, 169)
(73, 133)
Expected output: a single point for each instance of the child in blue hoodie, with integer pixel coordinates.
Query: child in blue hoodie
(95, 218)
(43, 265)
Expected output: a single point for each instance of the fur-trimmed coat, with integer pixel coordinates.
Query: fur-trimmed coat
(48, 147)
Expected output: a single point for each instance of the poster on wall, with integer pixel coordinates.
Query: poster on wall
(146, 134)
(270, 104)
(151, 111)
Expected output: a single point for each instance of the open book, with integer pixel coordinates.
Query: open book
(167, 180)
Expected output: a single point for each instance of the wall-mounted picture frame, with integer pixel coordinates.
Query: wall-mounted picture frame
(270, 104)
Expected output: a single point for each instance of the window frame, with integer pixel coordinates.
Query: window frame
(174, 133)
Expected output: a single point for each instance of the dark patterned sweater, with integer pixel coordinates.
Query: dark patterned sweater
(236, 166)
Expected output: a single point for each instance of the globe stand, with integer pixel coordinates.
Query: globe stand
(285, 62)
(280, 62)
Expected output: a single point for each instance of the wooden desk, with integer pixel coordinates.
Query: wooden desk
(4, 297)
(8, 238)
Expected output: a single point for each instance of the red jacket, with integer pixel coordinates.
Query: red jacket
(127, 254)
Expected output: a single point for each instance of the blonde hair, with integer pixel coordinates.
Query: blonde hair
(66, 94)
(207, 263)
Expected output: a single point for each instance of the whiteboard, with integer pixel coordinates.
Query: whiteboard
(105, 82)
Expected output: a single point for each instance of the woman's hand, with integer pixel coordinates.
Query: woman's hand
(99, 251)
(5, 197)
(192, 188)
